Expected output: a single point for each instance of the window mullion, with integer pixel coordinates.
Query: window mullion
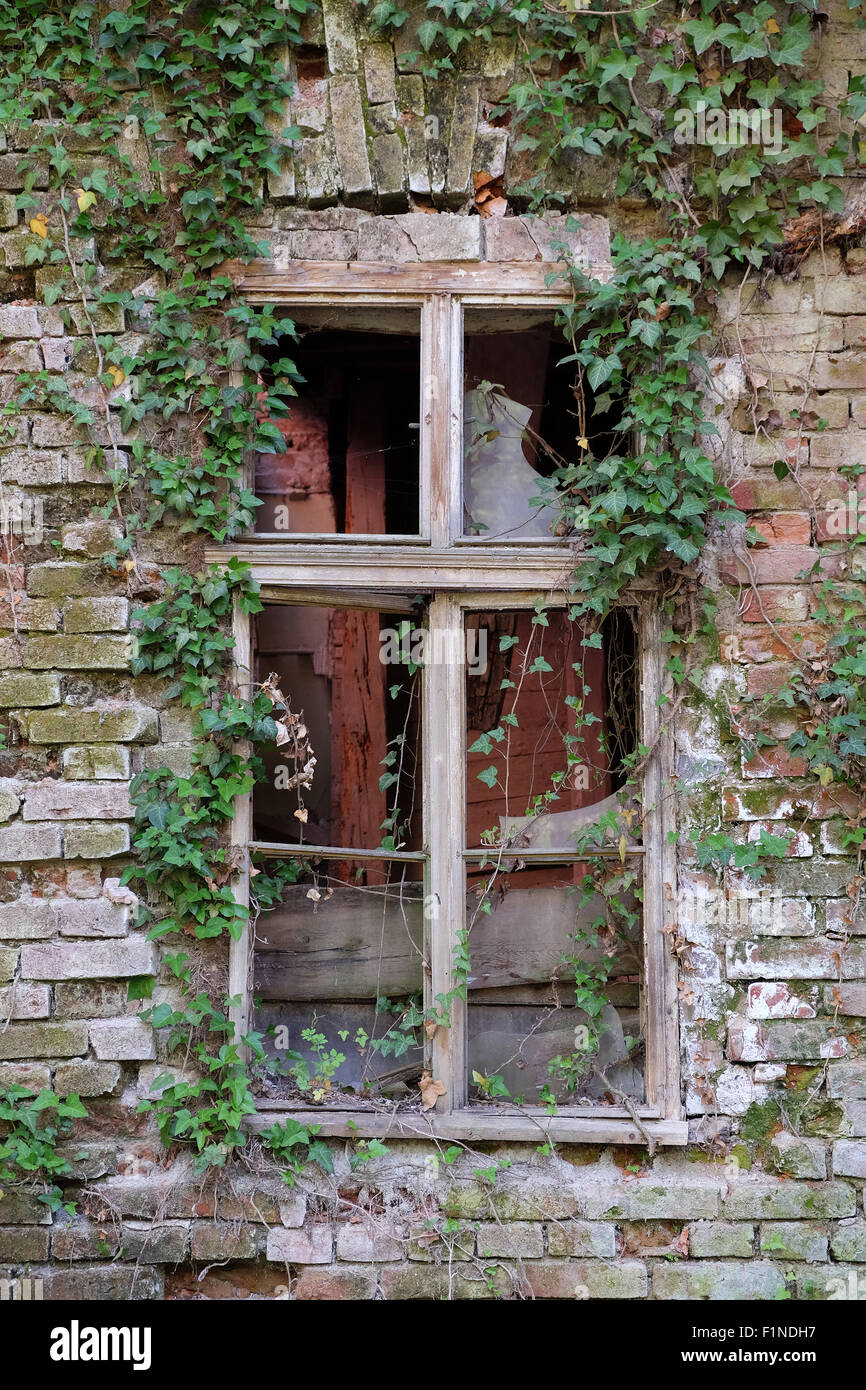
(441, 416)
(444, 816)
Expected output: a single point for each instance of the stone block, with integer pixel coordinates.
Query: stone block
(21, 843)
(512, 1240)
(309, 1245)
(96, 615)
(84, 653)
(849, 1158)
(581, 1238)
(742, 1281)
(43, 1040)
(95, 841)
(755, 1198)
(92, 999)
(721, 1239)
(53, 799)
(22, 1001)
(29, 919)
(350, 138)
(122, 1040)
(97, 761)
(88, 918)
(794, 1240)
(101, 723)
(123, 957)
(21, 689)
(86, 1078)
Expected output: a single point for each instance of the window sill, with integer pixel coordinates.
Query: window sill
(469, 1125)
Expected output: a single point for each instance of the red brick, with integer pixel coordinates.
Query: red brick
(785, 603)
(769, 679)
(330, 1285)
(784, 528)
(774, 762)
(774, 644)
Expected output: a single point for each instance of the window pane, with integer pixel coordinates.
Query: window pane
(519, 423)
(341, 670)
(548, 723)
(555, 982)
(340, 937)
(350, 461)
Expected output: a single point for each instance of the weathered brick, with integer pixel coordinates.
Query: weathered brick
(36, 1076)
(849, 1241)
(76, 1239)
(474, 1202)
(102, 761)
(164, 1242)
(92, 999)
(8, 962)
(309, 1245)
(32, 842)
(89, 918)
(584, 1279)
(96, 615)
(21, 689)
(777, 1000)
(86, 960)
(27, 920)
(849, 1158)
(53, 799)
(224, 1242)
(369, 1240)
(329, 1285)
(794, 1240)
(59, 578)
(794, 960)
(788, 1200)
(22, 1244)
(717, 1239)
(22, 1209)
(850, 1000)
(845, 917)
(85, 653)
(513, 1240)
(43, 1040)
(645, 1199)
(114, 1283)
(347, 121)
(801, 1041)
(95, 841)
(86, 1078)
(796, 1156)
(18, 321)
(745, 1279)
(21, 1001)
(101, 723)
(847, 1080)
(581, 1238)
(122, 1040)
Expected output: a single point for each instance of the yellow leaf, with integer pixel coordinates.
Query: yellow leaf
(430, 1090)
(583, 443)
(117, 375)
(39, 224)
(84, 199)
(772, 27)
(129, 566)
(622, 848)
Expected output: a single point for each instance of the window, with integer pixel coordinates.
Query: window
(447, 737)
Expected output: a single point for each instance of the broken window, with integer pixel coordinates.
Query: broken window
(457, 905)
(350, 460)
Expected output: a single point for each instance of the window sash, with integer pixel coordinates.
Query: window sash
(463, 574)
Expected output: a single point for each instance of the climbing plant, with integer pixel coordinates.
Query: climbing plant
(152, 127)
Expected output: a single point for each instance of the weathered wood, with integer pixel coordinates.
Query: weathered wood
(360, 282)
(359, 944)
(481, 1123)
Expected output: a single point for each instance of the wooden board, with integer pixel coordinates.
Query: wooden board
(358, 945)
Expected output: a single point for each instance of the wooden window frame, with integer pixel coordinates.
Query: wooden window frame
(463, 574)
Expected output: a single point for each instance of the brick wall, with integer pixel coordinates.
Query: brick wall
(770, 1195)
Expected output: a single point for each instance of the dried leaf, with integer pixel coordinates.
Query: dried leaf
(283, 735)
(431, 1028)
(39, 224)
(583, 443)
(430, 1090)
(302, 814)
(314, 895)
(663, 311)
